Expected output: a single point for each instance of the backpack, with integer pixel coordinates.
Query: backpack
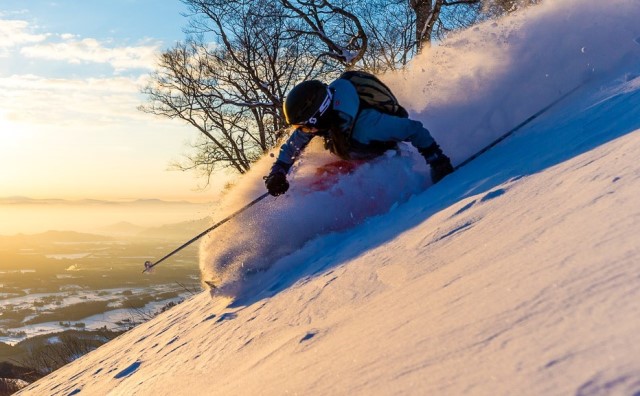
(374, 94)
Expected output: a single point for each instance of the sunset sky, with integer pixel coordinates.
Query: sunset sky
(70, 79)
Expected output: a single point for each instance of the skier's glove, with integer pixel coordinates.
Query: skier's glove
(439, 163)
(276, 183)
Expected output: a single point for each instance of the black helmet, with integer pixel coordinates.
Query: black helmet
(307, 102)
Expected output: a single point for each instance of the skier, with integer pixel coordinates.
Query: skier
(351, 129)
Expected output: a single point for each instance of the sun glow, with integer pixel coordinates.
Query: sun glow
(11, 134)
(15, 160)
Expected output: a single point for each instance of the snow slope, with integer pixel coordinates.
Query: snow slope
(518, 274)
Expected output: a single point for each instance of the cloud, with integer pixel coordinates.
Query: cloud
(14, 33)
(72, 102)
(18, 35)
(90, 50)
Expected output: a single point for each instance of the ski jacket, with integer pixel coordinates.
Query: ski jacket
(365, 127)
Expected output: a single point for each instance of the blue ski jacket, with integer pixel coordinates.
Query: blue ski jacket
(365, 127)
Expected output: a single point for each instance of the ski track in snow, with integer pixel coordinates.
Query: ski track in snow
(515, 275)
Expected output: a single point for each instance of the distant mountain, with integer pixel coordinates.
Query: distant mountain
(19, 200)
(180, 231)
(122, 228)
(56, 236)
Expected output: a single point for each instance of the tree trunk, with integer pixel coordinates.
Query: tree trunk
(423, 12)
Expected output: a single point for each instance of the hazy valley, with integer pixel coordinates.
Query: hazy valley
(91, 285)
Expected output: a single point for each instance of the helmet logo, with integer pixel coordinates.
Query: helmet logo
(323, 108)
(325, 104)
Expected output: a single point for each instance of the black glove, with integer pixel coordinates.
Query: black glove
(440, 168)
(438, 162)
(276, 183)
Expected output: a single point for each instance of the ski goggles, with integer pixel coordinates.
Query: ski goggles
(324, 106)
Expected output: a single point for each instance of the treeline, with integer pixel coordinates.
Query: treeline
(40, 356)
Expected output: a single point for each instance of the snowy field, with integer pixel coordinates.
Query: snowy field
(56, 281)
(517, 274)
(116, 316)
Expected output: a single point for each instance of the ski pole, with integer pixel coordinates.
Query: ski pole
(148, 264)
(518, 127)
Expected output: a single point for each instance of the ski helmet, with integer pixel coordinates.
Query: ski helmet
(307, 102)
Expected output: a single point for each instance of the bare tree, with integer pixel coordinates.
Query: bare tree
(9, 386)
(335, 31)
(229, 79)
(380, 35)
(399, 29)
(388, 26)
(47, 358)
(430, 18)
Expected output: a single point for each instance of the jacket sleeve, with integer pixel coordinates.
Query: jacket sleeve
(373, 125)
(291, 149)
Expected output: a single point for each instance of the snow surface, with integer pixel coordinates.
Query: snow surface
(518, 274)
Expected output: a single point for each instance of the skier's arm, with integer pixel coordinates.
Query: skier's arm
(276, 182)
(291, 150)
(373, 125)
